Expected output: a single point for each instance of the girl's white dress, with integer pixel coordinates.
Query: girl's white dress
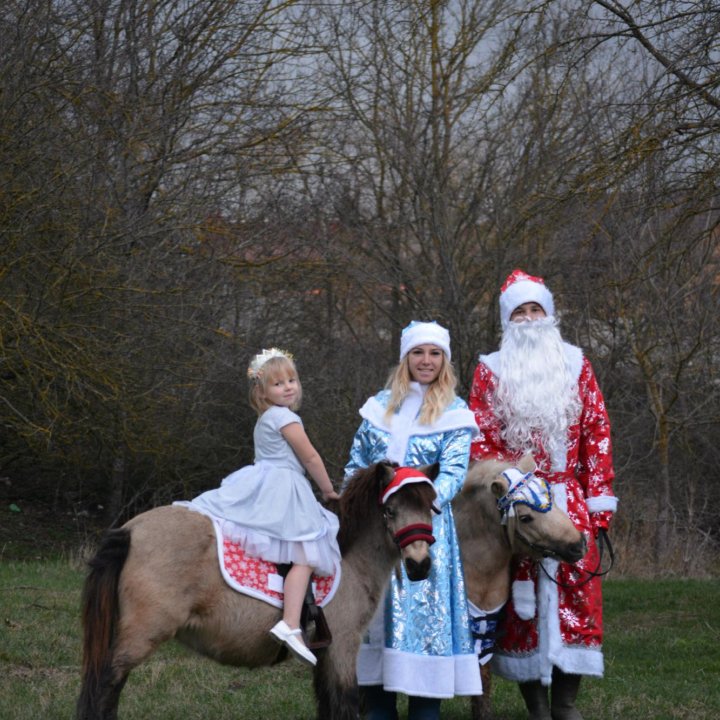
(269, 507)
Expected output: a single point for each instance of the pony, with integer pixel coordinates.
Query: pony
(158, 577)
(489, 539)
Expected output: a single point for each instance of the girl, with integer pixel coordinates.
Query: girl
(269, 507)
(419, 642)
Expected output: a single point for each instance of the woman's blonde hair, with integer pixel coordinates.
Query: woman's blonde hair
(276, 368)
(440, 392)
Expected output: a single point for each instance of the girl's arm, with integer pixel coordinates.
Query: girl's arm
(298, 440)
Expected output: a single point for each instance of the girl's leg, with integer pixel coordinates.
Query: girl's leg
(288, 629)
(294, 590)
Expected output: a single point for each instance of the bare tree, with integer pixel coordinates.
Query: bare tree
(133, 124)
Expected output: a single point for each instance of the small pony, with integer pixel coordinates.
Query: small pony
(158, 577)
(493, 524)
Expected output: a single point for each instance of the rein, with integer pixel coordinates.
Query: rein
(603, 541)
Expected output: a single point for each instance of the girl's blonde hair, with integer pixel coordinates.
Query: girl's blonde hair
(440, 392)
(280, 367)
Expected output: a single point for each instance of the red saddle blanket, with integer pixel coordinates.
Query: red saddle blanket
(260, 579)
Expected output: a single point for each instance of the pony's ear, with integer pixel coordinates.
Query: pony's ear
(527, 463)
(499, 487)
(384, 472)
(432, 471)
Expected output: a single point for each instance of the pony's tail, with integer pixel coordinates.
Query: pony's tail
(100, 611)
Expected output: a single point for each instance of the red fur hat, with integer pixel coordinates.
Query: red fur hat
(521, 288)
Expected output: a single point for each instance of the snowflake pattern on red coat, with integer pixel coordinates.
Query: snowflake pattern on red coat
(589, 474)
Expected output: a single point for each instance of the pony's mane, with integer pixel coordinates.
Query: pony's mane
(359, 500)
(483, 472)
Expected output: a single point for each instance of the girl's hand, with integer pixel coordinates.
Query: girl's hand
(332, 495)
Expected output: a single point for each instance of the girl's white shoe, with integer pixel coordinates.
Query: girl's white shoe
(284, 634)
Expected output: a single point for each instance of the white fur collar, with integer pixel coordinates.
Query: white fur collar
(404, 424)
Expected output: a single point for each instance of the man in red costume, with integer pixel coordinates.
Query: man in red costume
(539, 394)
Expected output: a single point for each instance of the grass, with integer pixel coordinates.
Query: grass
(661, 651)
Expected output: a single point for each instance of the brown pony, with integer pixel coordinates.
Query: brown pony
(487, 545)
(158, 577)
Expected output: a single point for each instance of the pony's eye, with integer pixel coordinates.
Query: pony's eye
(390, 513)
(526, 519)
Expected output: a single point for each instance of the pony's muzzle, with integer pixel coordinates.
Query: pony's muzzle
(414, 541)
(568, 552)
(417, 570)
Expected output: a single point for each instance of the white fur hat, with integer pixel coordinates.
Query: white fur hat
(521, 288)
(421, 333)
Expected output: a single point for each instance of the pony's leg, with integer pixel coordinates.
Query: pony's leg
(100, 690)
(112, 699)
(335, 681)
(140, 633)
(101, 701)
(481, 705)
(142, 626)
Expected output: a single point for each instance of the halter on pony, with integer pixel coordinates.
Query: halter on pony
(417, 531)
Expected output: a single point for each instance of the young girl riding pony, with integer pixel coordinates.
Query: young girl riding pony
(269, 507)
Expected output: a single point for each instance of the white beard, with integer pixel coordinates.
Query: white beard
(537, 396)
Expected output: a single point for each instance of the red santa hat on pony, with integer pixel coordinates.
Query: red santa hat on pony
(406, 476)
(521, 288)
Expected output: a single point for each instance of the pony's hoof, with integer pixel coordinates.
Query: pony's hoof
(284, 634)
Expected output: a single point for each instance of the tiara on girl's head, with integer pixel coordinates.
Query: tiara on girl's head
(262, 357)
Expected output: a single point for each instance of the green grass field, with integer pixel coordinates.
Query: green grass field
(662, 654)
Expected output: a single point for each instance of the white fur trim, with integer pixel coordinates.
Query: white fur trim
(559, 492)
(574, 357)
(521, 292)
(523, 595)
(424, 333)
(602, 503)
(578, 661)
(431, 675)
(458, 419)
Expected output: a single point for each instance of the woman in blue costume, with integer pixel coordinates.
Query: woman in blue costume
(419, 643)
